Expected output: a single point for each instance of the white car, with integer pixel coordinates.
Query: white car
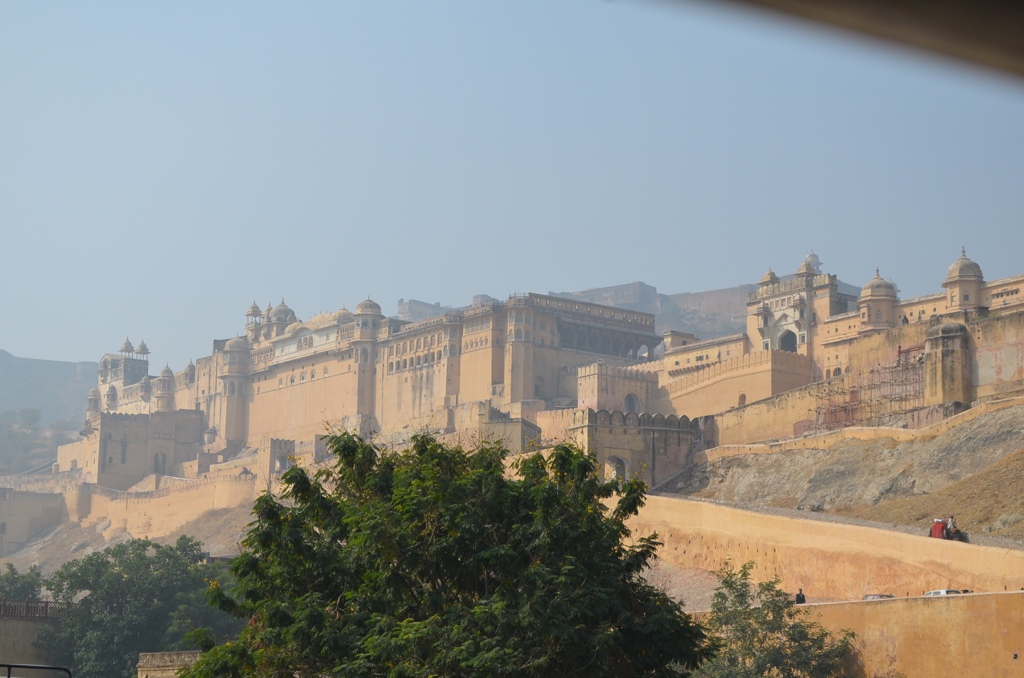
(942, 592)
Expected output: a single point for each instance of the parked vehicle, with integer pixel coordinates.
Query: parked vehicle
(878, 596)
(941, 529)
(943, 592)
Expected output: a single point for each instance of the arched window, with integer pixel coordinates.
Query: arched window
(828, 374)
(519, 334)
(787, 341)
(632, 403)
(742, 401)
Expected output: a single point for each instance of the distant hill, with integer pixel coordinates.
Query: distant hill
(57, 389)
(709, 314)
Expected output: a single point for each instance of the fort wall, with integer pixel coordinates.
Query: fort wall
(555, 424)
(157, 513)
(23, 515)
(20, 622)
(998, 361)
(609, 387)
(650, 447)
(823, 558)
(978, 634)
(738, 380)
(300, 399)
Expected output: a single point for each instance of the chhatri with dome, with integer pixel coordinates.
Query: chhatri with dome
(531, 367)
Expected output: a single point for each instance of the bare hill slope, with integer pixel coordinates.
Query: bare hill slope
(989, 502)
(940, 476)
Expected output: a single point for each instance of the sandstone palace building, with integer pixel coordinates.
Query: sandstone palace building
(537, 368)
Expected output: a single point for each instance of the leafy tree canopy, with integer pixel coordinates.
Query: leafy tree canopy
(435, 562)
(759, 631)
(15, 585)
(135, 597)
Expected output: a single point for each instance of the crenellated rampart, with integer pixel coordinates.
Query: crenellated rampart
(605, 370)
(621, 419)
(652, 447)
(55, 483)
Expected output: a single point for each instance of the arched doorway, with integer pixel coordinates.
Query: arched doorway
(787, 341)
(160, 463)
(632, 403)
(616, 468)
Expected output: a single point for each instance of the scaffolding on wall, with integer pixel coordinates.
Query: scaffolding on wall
(876, 397)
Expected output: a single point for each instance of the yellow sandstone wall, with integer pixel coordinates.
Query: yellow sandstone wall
(157, 513)
(966, 635)
(23, 515)
(302, 410)
(17, 646)
(827, 560)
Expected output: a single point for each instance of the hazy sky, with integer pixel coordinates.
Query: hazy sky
(162, 165)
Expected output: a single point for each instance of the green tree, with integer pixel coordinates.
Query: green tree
(135, 597)
(17, 586)
(759, 631)
(435, 562)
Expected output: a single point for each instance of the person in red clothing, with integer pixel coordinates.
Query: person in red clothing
(938, 529)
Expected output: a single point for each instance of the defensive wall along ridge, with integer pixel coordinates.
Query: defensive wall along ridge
(158, 513)
(963, 635)
(825, 559)
(153, 513)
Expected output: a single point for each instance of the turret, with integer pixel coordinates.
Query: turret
(164, 397)
(877, 304)
(963, 284)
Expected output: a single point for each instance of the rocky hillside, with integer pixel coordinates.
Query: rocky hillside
(973, 471)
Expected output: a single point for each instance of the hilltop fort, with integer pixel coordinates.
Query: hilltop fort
(535, 368)
(815, 363)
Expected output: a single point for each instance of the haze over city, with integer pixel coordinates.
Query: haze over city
(162, 167)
